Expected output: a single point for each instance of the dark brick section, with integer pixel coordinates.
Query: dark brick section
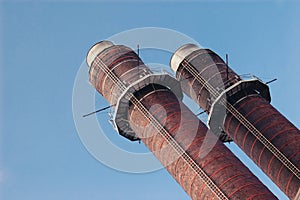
(278, 130)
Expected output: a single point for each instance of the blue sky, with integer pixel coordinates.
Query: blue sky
(42, 46)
